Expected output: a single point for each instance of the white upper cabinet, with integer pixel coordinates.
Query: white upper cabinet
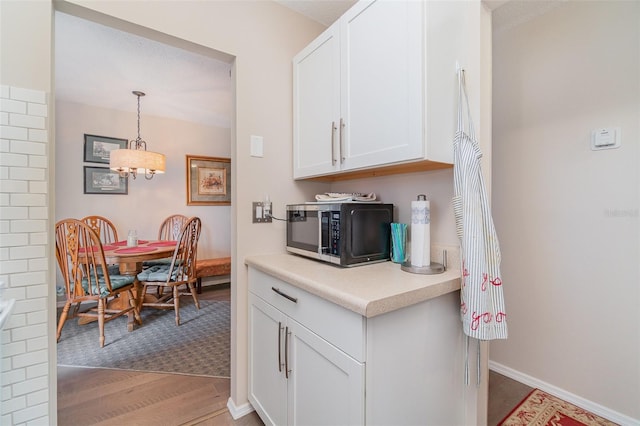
(357, 91)
(381, 80)
(377, 91)
(317, 106)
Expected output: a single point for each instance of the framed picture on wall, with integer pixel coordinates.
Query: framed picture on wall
(208, 181)
(97, 148)
(101, 180)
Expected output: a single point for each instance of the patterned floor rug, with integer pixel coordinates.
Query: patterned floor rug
(541, 409)
(199, 346)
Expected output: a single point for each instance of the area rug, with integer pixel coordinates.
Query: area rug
(199, 346)
(541, 409)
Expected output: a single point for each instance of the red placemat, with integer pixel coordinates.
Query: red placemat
(95, 248)
(124, 243)
(162, 243)
(83, 249)
(135, 250)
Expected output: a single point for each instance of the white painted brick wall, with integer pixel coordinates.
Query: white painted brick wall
(24, 214)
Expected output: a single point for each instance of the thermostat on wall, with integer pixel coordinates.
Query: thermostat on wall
(605, 138)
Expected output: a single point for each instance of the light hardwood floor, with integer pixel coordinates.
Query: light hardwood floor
(94, 396)
(504, 395)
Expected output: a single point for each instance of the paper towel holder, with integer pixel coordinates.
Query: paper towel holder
(431, 269)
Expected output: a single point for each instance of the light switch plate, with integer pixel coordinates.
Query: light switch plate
(257, 146)
(258, 213)
(605, 138)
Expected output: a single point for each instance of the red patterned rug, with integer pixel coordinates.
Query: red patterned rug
(541, 409)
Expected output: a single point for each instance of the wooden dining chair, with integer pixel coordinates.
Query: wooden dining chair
(169, 230)
(180, 271)
(171, 227)
(82, 263)
(106, 231)
(102, 226)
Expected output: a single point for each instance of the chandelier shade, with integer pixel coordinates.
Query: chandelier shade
(136, 159)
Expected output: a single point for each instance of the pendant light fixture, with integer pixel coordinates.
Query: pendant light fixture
(136, 159)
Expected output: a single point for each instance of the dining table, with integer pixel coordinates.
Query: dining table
(130, 261)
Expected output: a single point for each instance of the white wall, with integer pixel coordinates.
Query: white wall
(567, 216)
(402, 189)
(26, 213)
(148, 201)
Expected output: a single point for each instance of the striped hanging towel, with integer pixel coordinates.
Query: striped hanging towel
(482, 300)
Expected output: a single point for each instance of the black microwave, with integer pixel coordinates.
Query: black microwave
(345, 234)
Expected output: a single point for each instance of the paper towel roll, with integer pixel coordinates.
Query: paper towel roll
(420, 232)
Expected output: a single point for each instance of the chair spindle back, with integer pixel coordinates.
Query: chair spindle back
(102, 226)
(171, 227)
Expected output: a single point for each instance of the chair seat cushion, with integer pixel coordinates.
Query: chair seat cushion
(111, 269)
(160, 262)
(117, 281)
(157, 273)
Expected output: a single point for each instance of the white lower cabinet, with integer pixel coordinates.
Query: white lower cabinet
(327, 386)
(312, 362)
(268, 385)
(296, 376)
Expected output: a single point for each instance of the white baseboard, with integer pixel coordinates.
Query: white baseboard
(238, 411)
(576, 400)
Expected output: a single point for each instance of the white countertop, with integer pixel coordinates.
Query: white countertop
(367, 290)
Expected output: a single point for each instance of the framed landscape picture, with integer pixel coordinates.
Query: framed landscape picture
(97, 148)
(101, 180)
(208, 181)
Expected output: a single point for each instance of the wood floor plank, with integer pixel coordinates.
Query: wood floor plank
(136, 397)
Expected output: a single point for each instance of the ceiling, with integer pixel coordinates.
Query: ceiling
(325, 12)
(100, 66)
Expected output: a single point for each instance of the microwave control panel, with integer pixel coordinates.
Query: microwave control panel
(335, 233)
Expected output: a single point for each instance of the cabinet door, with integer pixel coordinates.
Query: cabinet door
(267, 383)
(382, 83)
(326, 386)
(316, 106)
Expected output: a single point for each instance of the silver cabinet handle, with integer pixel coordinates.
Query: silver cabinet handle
(287, 333)
(342, 141)
(280, 346)
(285, 295)
(333, 137)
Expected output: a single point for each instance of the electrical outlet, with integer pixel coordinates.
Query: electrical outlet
(261, 212)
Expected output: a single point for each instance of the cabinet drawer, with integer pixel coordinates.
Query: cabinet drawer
(339, 326)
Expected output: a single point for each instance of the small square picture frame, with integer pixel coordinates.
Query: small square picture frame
(104, 181)
(98, 148)
(208, 181)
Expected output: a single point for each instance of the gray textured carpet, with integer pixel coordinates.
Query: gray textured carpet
(199, 346)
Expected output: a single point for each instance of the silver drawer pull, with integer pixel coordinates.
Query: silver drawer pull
(286, 296)
(333, 134)
(341, 140)
(287, 333)
(280, 346)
